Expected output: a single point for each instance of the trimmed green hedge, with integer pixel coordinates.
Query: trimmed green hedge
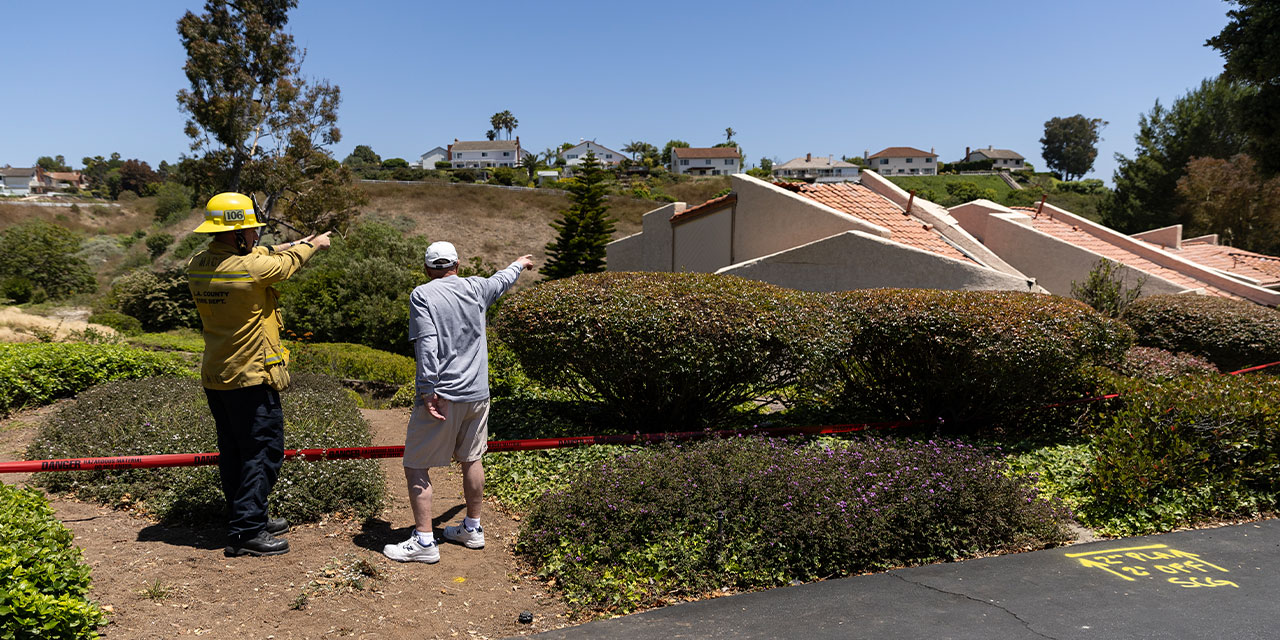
(667, 522)
(978, 358)
(1232, 334)
(43, 580)
(1185, 451)
(661, 351)
(39, 373)
(352, 361)
(171, 415)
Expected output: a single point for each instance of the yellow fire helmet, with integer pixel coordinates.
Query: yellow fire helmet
(228, 212)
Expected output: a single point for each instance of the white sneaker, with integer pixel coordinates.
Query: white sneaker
(412, 551)
(469, 538)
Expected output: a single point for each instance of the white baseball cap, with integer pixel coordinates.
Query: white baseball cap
(441, 255)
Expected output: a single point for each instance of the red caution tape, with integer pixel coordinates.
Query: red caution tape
(495, 446)
(364, 453)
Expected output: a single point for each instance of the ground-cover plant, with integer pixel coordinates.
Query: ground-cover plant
(1232, 334)
(351, 361)
(1184, 451)
(186, 340)
(39, 373)
(973, 359)
(43, 580)
(660, 351)
(170, 415)
(673, 521)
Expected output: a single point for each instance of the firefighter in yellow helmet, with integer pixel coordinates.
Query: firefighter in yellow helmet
(245, 365)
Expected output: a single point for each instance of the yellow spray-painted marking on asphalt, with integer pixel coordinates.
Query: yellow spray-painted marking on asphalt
(1150, 561)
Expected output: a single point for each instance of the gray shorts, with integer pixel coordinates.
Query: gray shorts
(463, 435)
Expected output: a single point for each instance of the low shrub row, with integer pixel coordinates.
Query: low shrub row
(39, 373)
(171, 415)
(1184, 451)
(671, 351)
(665, 523)
(43, 580)
(350, 361)
(1232, 334)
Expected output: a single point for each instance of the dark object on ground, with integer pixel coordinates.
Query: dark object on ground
(263, 544)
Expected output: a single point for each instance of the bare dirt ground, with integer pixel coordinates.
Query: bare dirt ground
(468, 594)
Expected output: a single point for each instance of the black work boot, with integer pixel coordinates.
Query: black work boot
(277, 526)
(262, 544)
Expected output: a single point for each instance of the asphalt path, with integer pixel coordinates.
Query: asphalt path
(1207, 583)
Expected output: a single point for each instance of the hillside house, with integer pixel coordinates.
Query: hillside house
(815, 237)
(1059, 248)
(819, 169)
(705, 161)
(904, 161)
(64, 180)
(429, 159)
(1001, 159)
(483, 154)
(22, 181)
(607, 157)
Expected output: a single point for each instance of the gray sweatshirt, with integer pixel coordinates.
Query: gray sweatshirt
(447, 326)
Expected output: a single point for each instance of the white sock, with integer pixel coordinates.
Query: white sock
(424, 539)
(471, 524)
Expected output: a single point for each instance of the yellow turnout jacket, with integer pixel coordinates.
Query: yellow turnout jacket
(237, 306)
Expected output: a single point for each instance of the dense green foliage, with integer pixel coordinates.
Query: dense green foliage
(43, 581)
(158, 243)
(1149, 363)
(583, 230)
(123, 323)
(680, 520)
(1203, 123)
(1185, 451)
(185, 340)
(1105, 289)
(352, 361)
(970, 358)
(160, 300)
(1232, 334)
(1251, 48)
(662, 351)
(1070, 145)
(358, 290)
(43, 254)
(173, 201)
(39, 373)
(169, 415)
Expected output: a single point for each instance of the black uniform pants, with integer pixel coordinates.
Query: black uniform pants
(250, 452)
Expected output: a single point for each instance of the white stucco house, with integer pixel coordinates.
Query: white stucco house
(1001, 159)
(605, 156)
(818, 169)
(21, 181)
(904, 161)
(706, 161)
(429, 159)
(481, 154)
(816, 237)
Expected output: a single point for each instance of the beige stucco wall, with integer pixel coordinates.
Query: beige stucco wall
(771, 219)
(857, 260)
(625, 254)
(703, 244)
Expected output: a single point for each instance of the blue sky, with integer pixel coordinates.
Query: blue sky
(791, 78)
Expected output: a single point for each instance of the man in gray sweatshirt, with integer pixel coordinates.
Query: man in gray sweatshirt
(451, 413)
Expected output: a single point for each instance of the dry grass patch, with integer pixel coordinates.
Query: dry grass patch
(17, 325)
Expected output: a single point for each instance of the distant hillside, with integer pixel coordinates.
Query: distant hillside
(935, 189)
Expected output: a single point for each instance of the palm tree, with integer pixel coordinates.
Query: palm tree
(495, 121)
(509, 122)
(491, 134)
(550, 155)
(634, 148)
(729, 133)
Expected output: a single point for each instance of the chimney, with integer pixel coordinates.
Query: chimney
(808, 157)
(831, 157)
(966, 154)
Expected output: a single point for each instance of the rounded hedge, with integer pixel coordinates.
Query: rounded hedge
(39, 373)
(661, 351)
(352, 361)
(977, 358)
(1232, 334)
(668, 522)
(171, 415)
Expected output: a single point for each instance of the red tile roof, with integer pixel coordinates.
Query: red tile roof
(1263, 268)
(1074, 235)
(705, 152)
(865, 204)
(710, 206)
(902, 152)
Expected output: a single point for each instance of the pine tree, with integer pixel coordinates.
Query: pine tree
(584, 228)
